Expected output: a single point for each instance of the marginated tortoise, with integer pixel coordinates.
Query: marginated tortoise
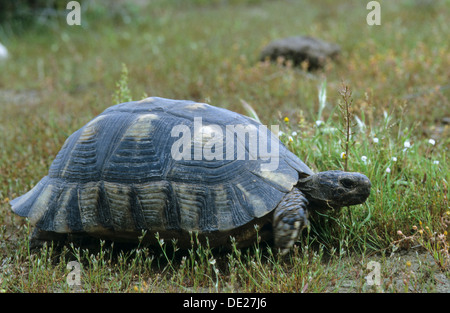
(177, 167)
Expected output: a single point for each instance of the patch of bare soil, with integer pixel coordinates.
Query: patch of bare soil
(406, 271)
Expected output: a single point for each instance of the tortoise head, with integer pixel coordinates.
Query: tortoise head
(335, 189)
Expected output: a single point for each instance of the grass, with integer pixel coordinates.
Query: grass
(59, 77)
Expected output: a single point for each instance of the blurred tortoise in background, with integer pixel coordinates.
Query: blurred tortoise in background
(299, 49)
(179, 167)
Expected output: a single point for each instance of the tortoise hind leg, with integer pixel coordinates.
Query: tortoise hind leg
(289, 219)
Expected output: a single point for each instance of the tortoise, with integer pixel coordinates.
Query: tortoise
(178, 167)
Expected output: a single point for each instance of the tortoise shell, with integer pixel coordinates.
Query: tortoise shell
(129, 170)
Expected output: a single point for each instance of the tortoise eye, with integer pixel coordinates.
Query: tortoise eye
(347, 183)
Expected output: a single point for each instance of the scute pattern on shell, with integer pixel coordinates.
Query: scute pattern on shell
(116, 174)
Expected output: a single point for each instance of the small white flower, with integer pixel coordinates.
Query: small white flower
(291, 139)
(364, 159)
(388, 170)
(280, 133)
(436, 162)
(432, 142)
(375, 140)
(294, 133)
(394, 159)
(319, 123)
(343, 155)
(407, 145)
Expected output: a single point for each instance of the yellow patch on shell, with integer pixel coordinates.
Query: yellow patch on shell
(154, 199)
(88, 134)
(41, 204)
(191, 199)
(90, 129)
(196, 106)
(258, 203)
(282, 180)
(147, 117)
(207, 133)
(120, 206)
(141, 127)
(60, 220)
(88, 200)
(146, 100)
(222, 202)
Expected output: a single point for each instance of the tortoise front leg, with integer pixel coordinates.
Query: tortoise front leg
(289, 219)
